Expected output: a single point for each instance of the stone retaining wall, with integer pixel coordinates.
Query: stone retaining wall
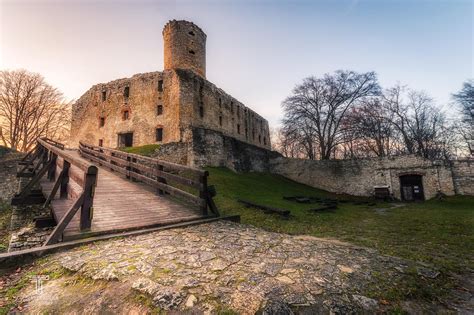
(358, 177)
(8, 180)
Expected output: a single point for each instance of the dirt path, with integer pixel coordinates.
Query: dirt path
(216, 267)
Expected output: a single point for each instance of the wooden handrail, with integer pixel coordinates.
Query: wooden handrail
(88, 168)
(153, 172)
(170, 165)
(49, 156)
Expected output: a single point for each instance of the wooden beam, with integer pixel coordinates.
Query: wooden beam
(59, 229)
(56, 186)
(282, 212)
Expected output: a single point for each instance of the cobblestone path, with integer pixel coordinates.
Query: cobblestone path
(240, 267)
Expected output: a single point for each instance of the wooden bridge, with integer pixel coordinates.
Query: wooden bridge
(96, 190)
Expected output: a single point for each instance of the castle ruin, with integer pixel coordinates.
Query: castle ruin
(196, 122)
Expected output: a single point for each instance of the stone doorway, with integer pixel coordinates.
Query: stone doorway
(125, 139)
(411, 187)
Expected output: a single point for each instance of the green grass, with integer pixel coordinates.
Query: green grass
(5, 216)
(146, 150)
(436, 232)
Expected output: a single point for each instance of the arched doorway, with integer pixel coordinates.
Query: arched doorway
(411, 187)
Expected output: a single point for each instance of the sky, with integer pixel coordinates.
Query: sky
(257, 51)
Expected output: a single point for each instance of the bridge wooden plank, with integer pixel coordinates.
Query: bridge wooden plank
(119, 204)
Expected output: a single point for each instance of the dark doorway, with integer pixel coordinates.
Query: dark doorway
(411, 187)
(125, 139)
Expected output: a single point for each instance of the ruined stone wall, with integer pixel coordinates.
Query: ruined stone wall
(463, 176)
(204, 105)
(9, 183)
(214, 148)
(141, 104)
(358, 177)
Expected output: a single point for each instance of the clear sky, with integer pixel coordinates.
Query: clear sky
(256, 50)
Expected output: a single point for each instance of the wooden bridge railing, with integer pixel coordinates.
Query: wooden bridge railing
(168, 178)
(51, 159)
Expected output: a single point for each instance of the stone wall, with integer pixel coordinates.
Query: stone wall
(213, 148)
(358, 177)
(204, 105)
(463, 176)
(9, 183)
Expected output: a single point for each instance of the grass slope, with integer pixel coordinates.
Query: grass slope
(146, 150)
(437, 232)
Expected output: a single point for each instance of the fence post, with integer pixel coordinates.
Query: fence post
(52, 168)
(65, 180)
(161, 192)
(90, 180)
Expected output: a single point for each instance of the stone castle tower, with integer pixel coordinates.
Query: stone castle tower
(194, 121)
(184, 47)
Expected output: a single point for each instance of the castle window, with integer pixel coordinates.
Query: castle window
(220, 121)
(191, 33)
(220, 103)
(160, 86)
(238, 129)
(104, 96)
(159, 134)
(246, 133)
(192, 52)
(101, 121)
(159, 110)
(126, 92)
(101, 142)
(264, 141)
(259, 139)
(201, 111)
(125, 115)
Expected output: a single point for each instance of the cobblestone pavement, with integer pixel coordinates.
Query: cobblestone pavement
(244, 268)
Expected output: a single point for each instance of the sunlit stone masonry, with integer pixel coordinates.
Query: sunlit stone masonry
(177, 108)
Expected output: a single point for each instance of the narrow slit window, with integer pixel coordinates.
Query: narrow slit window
(126, 92)
(160, 86)
(104, 96)
(101, 121)
(125, 115)
(159, 110)
(101, 143)
(259, 139)
(264, 141)
(192, 52)
(238, 129)
(220, 121)
(201, 111)
(159, 134)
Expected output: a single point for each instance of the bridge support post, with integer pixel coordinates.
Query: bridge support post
(64, 180)
(90, 179)
(52, 168)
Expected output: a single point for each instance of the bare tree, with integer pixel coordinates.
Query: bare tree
(30, 108)
(420, 125)
(315, 111)
(465, 128)
(370, 129)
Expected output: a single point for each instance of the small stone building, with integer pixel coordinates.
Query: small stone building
(177, 107)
